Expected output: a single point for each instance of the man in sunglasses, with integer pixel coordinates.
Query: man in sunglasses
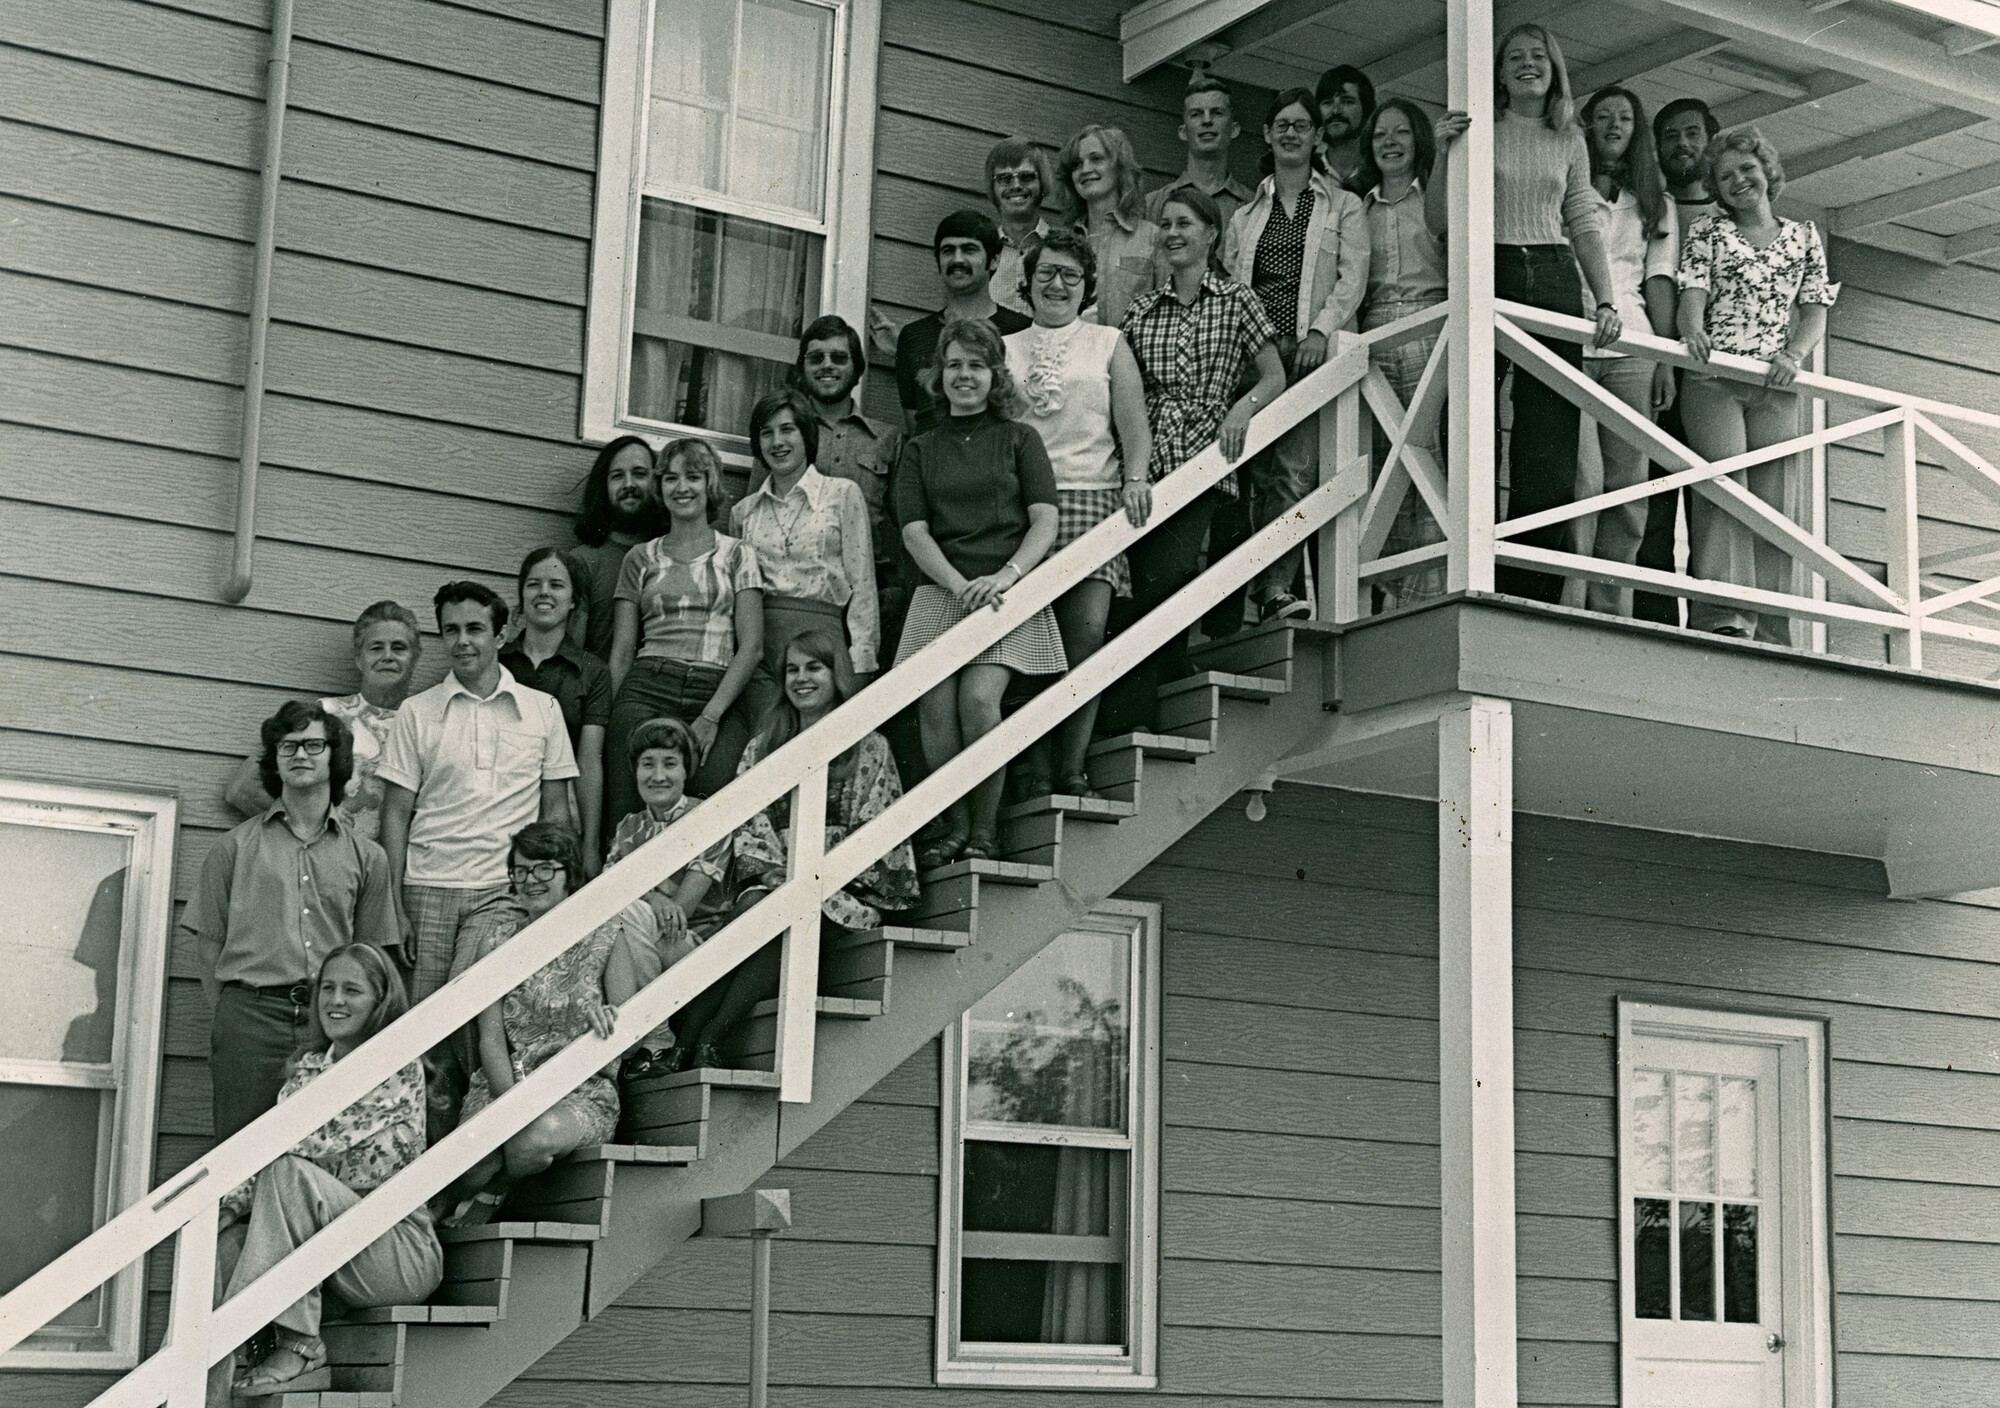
(276, 896)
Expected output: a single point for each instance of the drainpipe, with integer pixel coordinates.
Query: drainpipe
(277, 76)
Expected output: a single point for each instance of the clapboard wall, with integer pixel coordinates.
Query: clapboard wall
(1299, 1181)
(1933, 331)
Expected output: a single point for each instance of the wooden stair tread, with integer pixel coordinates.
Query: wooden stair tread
(1232, 686)
(325, 1398)
(855, 1009)
(635, 1154)
(1005, 872)
(498, 1231)
(908, 936)
(723, 1076)
(1155, 745)
(1081, 808)
(421, 1315)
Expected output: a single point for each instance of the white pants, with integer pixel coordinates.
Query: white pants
(1725, 418)
(1613, 462)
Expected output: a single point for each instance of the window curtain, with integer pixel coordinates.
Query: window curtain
(1083, 1301)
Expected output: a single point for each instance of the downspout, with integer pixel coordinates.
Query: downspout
(277, 77)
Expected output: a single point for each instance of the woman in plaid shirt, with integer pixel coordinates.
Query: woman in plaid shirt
(1192, 339)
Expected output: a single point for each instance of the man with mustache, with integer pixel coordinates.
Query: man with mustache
(1682, 131)
(1346, 100)
(967, 246)
(621, 509)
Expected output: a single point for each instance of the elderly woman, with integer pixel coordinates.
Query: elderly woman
(1754, 284)
(386, 647)
(356, 993)
(690, 628)
(1085, 399)
(1099, 176)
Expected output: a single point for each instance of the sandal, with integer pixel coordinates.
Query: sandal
(942, 851)
(645, 1063)
(476, 1211)
(312, 1377)
(1077, 784)
(979, 848)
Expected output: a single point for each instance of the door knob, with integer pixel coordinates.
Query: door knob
(1774, 1343)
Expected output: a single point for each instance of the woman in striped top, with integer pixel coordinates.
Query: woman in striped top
(1547, 219)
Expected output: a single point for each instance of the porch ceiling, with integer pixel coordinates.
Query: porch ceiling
(1887, 112)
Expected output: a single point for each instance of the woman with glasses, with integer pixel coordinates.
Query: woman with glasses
(556, 1005)
(1085, 399)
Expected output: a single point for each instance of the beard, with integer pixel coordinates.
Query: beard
(1681, 170)
(636, 521)
(838, 395)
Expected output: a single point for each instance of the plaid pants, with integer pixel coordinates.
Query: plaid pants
(450, 926)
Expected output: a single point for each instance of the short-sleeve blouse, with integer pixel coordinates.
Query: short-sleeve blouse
(1190, 356)
(1751, 291)
(687, 610)
(972, 479)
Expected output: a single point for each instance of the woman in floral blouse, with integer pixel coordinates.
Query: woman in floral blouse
(1752, 284)
(559, 1003)
(358, 993)
(861, 784)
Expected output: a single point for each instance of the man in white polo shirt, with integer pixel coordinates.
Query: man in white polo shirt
(470, 761)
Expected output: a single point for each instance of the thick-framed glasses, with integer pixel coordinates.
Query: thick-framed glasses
(1006, 179)
(542, 870)
(1292, 124)
(1051, 273)
(292, 747)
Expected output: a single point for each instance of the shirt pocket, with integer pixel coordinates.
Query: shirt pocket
(517, 750)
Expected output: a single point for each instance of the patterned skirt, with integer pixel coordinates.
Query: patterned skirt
(593, 1105)
(1032, 648)
(1080, 510)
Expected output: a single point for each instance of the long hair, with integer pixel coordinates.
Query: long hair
(782, 723)
(1638, 171)
(593, 523)
(980, 336)
(392, 1000)
(292, 716)
(1370, 175)
(1202, 206)
(1129, 200)
(711, 475)
(1559, 110)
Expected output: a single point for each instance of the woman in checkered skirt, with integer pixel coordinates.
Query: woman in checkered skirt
(1085, 400)
(977, 500)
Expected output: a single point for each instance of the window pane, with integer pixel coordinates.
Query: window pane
(1652, 1153)
(1652, 1259)
(1694, 1132)
(1697, 1261)
(1739, 1263)
(1736, 1142)
(48, 1169)
(1043, 1188)
(59, 942)
(718, 309)
(1041, 1302)
(742, 114)
(1049, 1045)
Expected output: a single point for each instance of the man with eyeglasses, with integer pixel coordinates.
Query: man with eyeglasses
(1018, 178)
(275, 897)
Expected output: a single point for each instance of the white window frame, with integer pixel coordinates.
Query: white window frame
(1806, 1230)
(1055, 1366)
(125, 1138)
(849, 187)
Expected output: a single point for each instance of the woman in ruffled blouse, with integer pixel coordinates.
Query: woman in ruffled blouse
(358, 992)
(1087, 402)
(1754, 284)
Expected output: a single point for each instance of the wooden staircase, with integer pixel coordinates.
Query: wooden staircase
(573, 1239)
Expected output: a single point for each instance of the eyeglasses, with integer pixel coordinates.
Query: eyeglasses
(1292, 124)
(1016, 178)
(542, 870)
(1050, 273)
(311, 747)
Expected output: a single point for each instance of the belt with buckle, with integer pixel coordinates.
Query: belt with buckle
(299, 994)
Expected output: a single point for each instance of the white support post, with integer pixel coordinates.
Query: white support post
(193, 1310)
(1476, 1050)
(1816, 499)
(1343, 435)
(798, 976)
(1899, 505)
(1469, 87)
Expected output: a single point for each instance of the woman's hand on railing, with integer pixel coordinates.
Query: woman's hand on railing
(1138, 501)
(1609, 326)
(1698, 345)
(602, 1017)
(1663, 388)
(1784, 369)
(1308, 355)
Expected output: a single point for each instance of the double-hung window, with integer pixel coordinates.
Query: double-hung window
(83, 942)
(1048, 1256)
(732, 204)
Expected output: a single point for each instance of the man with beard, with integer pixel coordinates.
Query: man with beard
(621, 509)
(1682, 131)
(1208, 126)
(967, 246)
(1018, 178)
(1346, 99)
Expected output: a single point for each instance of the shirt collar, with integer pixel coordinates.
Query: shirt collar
(1229, 183)
(564, 651)
(508, 686)
(809, 483)
(1041, 232)
(852, 416)
(1374, 196)
(335, 823)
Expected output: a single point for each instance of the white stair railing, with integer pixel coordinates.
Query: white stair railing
(185, 1206)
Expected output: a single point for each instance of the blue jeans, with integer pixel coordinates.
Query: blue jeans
(1541, 457)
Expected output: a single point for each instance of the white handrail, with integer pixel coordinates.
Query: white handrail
(188, 1199)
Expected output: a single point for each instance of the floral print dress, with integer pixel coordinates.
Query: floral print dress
(1751, 291)
(544, 1015)
(363, 1146)
(861, 793)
